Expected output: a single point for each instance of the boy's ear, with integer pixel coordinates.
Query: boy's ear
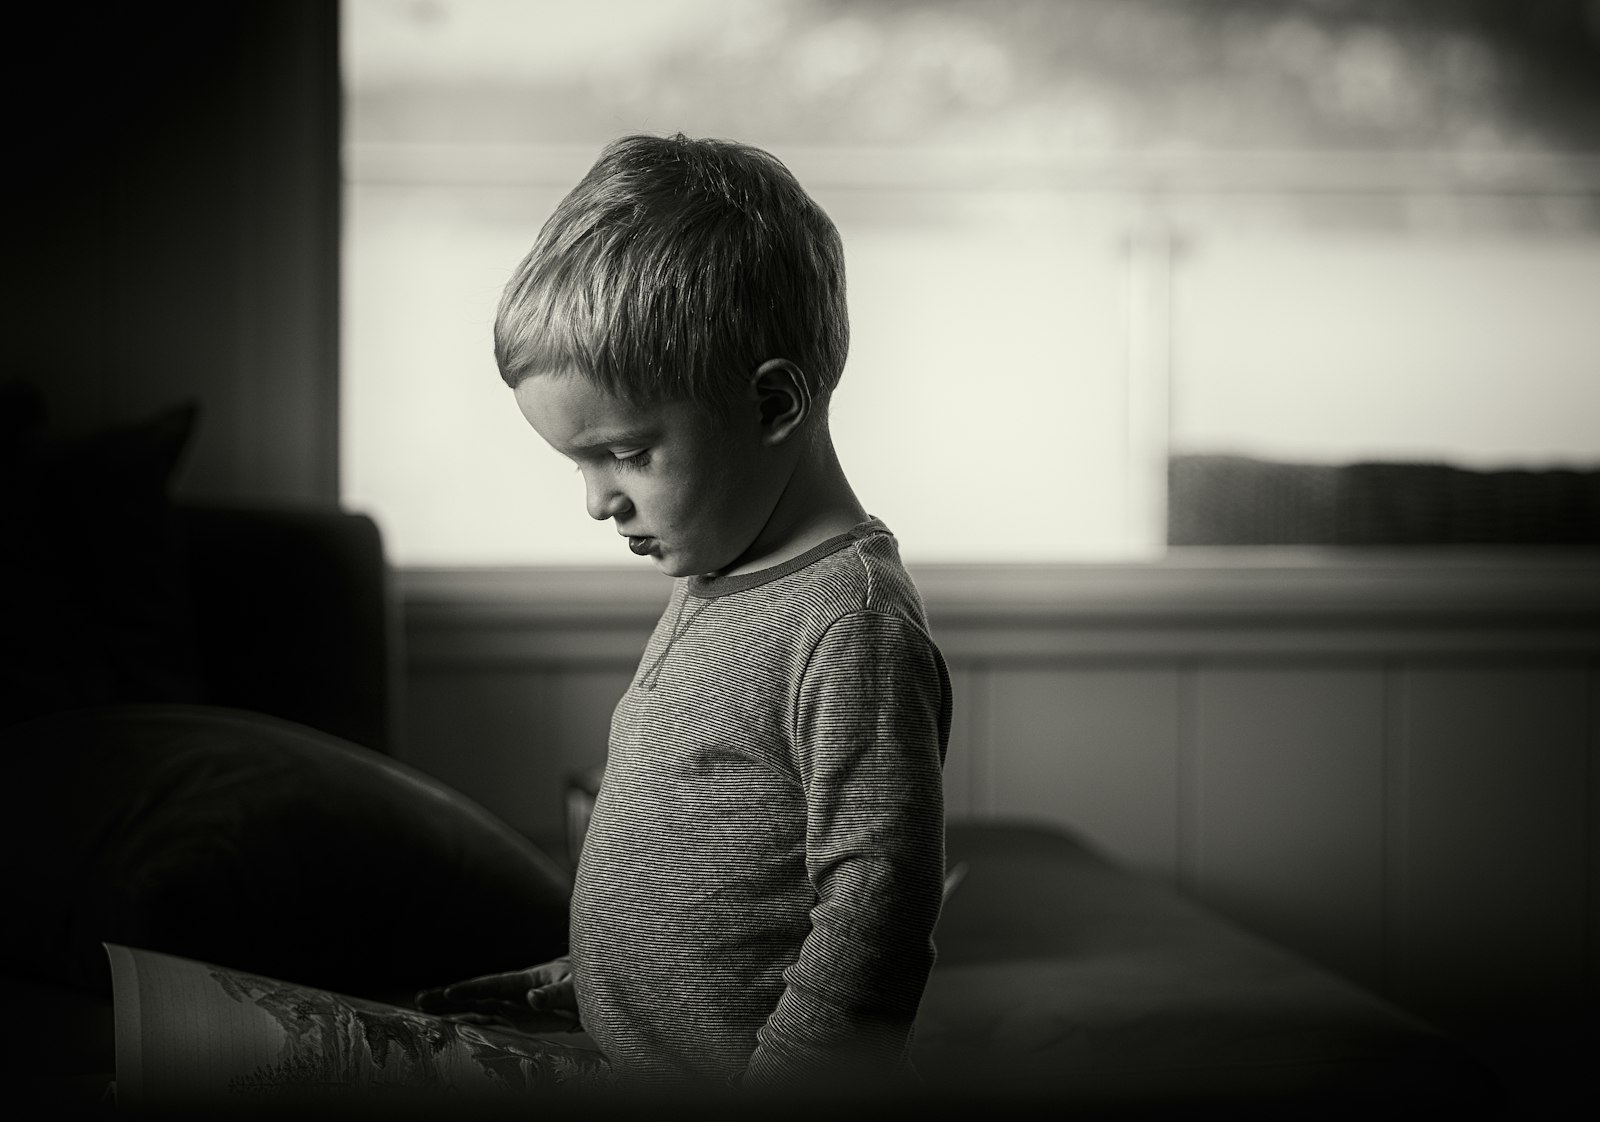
(783, 398)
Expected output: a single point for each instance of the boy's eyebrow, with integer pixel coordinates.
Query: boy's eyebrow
(590, 441)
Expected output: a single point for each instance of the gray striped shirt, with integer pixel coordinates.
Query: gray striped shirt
(759, 884)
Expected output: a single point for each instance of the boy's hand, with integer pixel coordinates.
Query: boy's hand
(538, 999)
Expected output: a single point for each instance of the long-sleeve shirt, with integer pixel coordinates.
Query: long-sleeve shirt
(759, 883)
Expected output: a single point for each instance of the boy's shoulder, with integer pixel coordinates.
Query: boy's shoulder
(868, 574)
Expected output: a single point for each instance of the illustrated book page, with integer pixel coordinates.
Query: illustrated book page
(193, 1035)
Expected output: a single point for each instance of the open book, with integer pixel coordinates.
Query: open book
(190, 1035)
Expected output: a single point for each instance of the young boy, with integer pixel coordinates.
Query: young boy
(759, 883)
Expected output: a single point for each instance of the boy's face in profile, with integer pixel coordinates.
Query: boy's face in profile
(686, 489)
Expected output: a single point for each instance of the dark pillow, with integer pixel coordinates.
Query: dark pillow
(252, 842)
(91, 581)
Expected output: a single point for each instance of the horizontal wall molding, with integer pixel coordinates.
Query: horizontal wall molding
(1195, 603)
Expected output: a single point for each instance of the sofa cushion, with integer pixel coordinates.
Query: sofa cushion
(256, 843)
(1064, 980)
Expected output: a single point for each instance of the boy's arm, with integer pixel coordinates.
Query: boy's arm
(869, 730)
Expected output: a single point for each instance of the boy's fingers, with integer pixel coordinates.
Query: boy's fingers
(512, 987)
(548, 974)
(556, 997)
(507, 985)
(490, 987)
(444, 999)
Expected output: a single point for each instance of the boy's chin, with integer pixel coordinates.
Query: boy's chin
(671, 565)
(674, 564)
(696, 561)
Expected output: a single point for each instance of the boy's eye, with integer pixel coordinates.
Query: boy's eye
(632, 457)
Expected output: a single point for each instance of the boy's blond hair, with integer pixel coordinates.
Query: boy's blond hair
(672, 271)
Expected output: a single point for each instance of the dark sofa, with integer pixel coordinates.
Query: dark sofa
(244, 814)
(231, 834)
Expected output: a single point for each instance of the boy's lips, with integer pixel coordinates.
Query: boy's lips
(641, 543)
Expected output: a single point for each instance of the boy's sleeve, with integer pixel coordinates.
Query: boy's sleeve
(870, 725)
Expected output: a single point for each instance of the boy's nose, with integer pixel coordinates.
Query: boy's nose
(604, 500)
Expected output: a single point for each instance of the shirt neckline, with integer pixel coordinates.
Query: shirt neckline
(707, 586)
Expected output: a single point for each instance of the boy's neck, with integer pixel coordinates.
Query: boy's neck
(817, 503)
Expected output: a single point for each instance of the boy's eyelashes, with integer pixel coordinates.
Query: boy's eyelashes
(626, 457)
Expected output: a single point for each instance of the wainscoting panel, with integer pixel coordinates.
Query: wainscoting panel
(511, 737)
(1287, 797)
(587, 695)
(488, 733)
(961, 754)
(1092, 749)
(1492, 857)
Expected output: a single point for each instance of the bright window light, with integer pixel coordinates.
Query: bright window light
(1080, 237)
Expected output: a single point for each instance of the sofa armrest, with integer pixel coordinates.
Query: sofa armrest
(293, 616)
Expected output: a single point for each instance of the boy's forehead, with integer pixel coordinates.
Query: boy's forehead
(572, 412)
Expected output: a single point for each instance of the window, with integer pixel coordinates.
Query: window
(1061, 268)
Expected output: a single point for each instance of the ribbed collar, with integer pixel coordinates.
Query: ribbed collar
(712, 585)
